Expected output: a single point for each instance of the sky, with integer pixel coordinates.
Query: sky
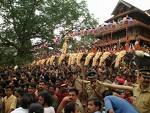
(102, 9)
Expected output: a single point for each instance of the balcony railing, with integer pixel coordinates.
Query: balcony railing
(121, 25)
(110, 28)
(102, 43)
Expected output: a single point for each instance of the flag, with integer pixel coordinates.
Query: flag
(64, 47)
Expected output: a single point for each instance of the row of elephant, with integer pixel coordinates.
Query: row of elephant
(137, 57)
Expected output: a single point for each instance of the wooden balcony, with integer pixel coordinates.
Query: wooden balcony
(110, 28)
(123, 39)
(120, 26)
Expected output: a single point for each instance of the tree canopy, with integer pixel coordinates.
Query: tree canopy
(23, 20)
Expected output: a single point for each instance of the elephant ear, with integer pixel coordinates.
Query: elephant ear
(139, 53)
(142, 60)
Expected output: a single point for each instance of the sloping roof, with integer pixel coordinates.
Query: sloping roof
(120, 4)
(131, 11)
(148, 12)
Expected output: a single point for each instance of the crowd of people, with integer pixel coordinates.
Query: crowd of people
(74, 89)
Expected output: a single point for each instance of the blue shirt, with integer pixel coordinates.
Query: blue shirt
(119, 105)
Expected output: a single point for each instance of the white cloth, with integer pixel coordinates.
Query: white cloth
(49, 110)
(97, 112)
(20, 110)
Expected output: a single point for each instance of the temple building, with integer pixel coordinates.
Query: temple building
(129, 25)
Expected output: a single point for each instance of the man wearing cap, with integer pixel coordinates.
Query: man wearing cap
(141, 91)
(88, 88)
(93, 88)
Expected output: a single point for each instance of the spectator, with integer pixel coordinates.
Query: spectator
(46, 101)
(36, 108)
(25, 103)
(54, 96)
(94, 105)
(114, 104)
(19, 92)
(31, 88)
(73, 97)
(10, 100)
(72, 107)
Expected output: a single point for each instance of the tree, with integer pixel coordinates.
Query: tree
(24, 20)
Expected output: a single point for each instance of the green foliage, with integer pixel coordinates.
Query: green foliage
(24, 20)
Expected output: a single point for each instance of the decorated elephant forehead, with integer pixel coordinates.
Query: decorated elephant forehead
(145, 71)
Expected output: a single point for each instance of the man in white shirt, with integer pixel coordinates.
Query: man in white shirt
(46, 101)
(25, 103)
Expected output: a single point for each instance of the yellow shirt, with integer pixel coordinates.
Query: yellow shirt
(10, 103)
(142, 99)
